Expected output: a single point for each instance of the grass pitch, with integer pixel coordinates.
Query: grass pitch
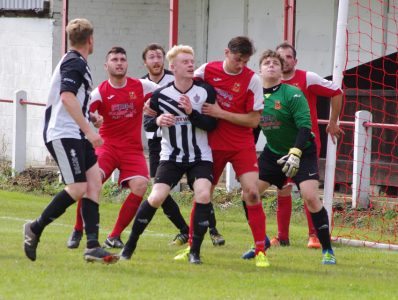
(295, 273)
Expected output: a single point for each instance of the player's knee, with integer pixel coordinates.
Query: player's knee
(202, 196)
(76, 190)
(155, 200)
(251, 195)
(139, 186)
(313, 202)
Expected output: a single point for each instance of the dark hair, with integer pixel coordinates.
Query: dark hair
(285, 45)
(242, 45)
(270, 53)
(150, 47)
(116, 50)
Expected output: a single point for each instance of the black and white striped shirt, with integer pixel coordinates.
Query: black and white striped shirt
(72, 74)
(186, 141)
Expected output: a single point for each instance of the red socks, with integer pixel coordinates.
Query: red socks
(79, 218)
(283, 215)
(256, 218)
(126, 214)
(311, 228)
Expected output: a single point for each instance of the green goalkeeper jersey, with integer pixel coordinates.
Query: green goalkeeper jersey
(285, 111)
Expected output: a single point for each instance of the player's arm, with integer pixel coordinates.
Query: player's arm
(74, 109)
(149, 88)
(150, 123)
(300, 111)
(72, 74)
(251, 119)
(326, 88)
(94, 106)
(336, 103)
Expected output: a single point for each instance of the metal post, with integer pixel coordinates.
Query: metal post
(361, 164)
(19, 134)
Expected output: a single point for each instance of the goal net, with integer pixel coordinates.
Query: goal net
(365, 204)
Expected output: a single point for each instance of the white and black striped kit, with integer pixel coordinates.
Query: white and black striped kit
(187, 140)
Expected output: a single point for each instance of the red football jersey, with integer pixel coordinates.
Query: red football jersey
(237, 93)
(121, 108)
(313, 85)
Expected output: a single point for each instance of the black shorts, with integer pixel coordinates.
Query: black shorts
(170, 172)
(154, 148)
(272, 173)
(74, 157)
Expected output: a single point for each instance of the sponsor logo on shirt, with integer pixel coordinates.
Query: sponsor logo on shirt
(182, 120)
(217, 79)
(224, 98)
(120, 110)
(110, 97)
(269, 122)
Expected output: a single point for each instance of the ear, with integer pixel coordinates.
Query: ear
(226, 51)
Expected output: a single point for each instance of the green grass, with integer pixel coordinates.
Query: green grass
(295, 272)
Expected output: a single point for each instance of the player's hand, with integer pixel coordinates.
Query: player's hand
(212, 110)
(96, 119)
(148, 110)
(334, 130)
(94, 138)
(185, 103)
(290, 162)
(166, 120)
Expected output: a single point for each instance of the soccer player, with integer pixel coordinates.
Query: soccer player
(185, 148)
(312, 86)
(290, 151)
(70, 140)
(153, 57)
(120, 101)
(238, 109)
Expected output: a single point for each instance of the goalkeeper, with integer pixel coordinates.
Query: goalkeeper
(290, 151)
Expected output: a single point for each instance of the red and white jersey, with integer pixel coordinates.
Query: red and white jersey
(121, 108)
(313, 85)
(237, 93)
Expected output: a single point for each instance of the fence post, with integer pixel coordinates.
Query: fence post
(19, 133)
(362, 157)
(230, 179)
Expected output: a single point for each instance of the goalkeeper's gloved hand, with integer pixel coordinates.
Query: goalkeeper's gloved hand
(290, 162)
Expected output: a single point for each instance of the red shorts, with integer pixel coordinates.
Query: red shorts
(131, 163)
(243, 161)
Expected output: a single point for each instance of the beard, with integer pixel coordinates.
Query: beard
(156, 70)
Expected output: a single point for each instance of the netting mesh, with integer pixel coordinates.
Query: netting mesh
(370, 83)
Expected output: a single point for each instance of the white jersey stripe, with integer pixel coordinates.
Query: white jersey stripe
(63, 162)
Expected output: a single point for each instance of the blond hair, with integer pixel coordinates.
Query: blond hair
(79, 31)
(177, 49)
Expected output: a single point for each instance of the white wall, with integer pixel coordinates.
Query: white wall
(25, 63)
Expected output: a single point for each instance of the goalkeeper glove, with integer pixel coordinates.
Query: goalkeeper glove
(290, 162)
